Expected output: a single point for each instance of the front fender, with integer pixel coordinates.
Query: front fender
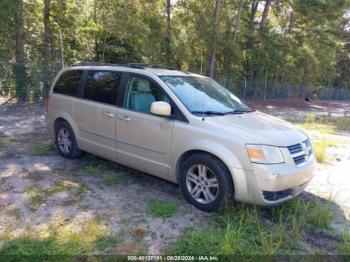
(238, 174)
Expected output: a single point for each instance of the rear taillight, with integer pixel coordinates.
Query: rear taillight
(47, 105)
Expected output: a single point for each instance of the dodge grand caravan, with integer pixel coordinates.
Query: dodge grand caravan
(182, 127)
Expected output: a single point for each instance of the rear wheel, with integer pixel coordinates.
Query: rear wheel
(65, 141)
(206, 182)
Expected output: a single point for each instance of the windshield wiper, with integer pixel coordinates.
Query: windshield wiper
(240, 111)
(213, 113)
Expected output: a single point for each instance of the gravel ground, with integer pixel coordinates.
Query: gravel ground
(28, 161)
(122, 207)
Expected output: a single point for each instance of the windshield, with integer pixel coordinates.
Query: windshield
(202, 95)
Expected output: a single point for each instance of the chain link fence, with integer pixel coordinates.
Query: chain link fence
(31, 82)
(275, 90)
(26, 81)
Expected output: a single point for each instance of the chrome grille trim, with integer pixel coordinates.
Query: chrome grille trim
(301, 153)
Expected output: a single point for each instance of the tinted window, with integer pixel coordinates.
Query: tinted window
(141, 93)
(102, 86)
(68, 83)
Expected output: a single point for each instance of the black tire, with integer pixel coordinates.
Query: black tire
(73, 151)
(225, 194)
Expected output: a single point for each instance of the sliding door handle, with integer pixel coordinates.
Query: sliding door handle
(125, 118)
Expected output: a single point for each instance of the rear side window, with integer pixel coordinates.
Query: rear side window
(68, 83)
(102, 86)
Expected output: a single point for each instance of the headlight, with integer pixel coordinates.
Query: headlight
(262, 154)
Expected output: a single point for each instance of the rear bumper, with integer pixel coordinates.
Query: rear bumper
(274, 184)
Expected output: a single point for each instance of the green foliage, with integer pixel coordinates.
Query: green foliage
(345, 248)
(158, 208)
(320, 150)
(300, 214)
(60, 244)
(111, 180)
(255, 231)
(39, 149)
(4, 141)
(303, 42)
(96, 170)
(38, 196)
(323, 124)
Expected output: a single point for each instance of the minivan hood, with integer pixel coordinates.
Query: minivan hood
(258, 128)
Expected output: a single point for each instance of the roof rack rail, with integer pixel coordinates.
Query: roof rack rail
(144, 65)
(96, 64)
(131, 65)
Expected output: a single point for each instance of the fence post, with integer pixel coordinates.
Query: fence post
(265, 84)
(245, 87)
(62, 50)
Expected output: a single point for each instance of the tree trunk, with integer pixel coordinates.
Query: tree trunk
(303, 89)
(253, 12)
(236, 28)
(266, 12)
(237, 21)
(250, 43)
(213, 51)
(291, 20)
(168, 33)
(19, 66)
(254, 9)
(97, 51)
(47, 43)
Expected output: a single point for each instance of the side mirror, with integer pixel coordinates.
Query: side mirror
(160, 108)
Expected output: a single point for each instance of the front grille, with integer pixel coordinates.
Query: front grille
(299, 159)
(295, 149)
(301, 152)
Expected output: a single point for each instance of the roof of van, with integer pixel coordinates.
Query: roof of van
(156, 69)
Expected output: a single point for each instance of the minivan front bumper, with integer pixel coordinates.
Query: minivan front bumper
(277, 183)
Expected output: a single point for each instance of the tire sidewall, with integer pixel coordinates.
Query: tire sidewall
(74, 144)
(225, 193)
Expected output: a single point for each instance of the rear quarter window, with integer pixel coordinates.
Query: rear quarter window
(68, 83)
(102, 86)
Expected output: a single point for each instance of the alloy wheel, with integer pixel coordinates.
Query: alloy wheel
(64, 140)
(202, 184)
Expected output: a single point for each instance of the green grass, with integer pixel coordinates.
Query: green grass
(300, 215)
(345, 247)
(158, 208)
(111, 180)
(96, 170)
(342, 123)
(39, 149)
(4, 141)
(197, 242)
(256, 231)
(320, 148)
(38, 196)
(323, 124)
(60, 243)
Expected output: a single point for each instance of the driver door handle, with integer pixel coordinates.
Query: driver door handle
(109, 114)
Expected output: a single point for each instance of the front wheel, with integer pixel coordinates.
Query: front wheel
(206, 182)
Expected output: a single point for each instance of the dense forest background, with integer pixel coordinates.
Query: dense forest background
(283, 48)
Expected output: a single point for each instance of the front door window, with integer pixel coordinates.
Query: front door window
(141, 93)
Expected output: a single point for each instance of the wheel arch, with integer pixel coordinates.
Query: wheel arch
(66, 118)
(191, 152)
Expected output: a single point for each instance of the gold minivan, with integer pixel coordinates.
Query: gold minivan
(182, 127)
